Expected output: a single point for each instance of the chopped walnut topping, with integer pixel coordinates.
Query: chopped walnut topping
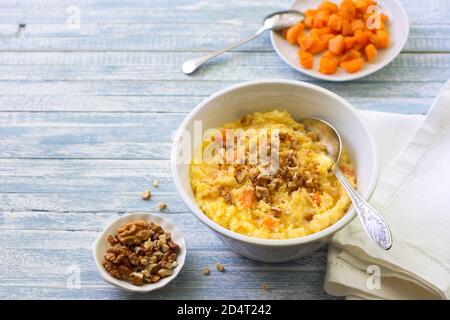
(161, 205)
(276, 212)
(227, 197)
(220, 267)
(247, 120)
(146, 195)
(292, 186)
(283, 136)
(140, 253)
(240, 176)
(294, 170)
(206, 271)
(313, 136)
(262, 193)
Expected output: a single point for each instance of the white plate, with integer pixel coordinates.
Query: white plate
(398, 27)
(100, 246)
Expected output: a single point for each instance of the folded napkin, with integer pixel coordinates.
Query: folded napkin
(413, 195)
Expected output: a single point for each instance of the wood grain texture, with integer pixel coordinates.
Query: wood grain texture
(87, 116)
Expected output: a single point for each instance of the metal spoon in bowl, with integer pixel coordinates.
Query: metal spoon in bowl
(275, 21)
(373, 223)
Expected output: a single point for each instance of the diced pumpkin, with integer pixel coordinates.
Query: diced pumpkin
(328, 66)
(321, 19)
(330, 55)
(349, 42)
(351, 54)
(353, 66)
(358, 25)
(305, 42)
(380, 39)
(370, 52)
(336, 44)
(349, 173)
(247, 198)
(318, 32)
(383, 37)
(308, 22)
(293, 32)
(346, 28)
(317, 46)
(347, 31)
(335, 22)
(328, 6)
(361, 6)
(362, 39)
(325, 39)
(310, 13)
(347, 9)
(322, 15)
(306, 59)
(269, 221)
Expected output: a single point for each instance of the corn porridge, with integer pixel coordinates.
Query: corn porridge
(298, 198)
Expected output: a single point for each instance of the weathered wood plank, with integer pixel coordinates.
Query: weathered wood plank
(124, 26)
(190, 37)
(181, 11)
(49, 255)
(77, 135)
(98, 201)
(197, 87)
(175, 104)
(167, 66)
(91, 105)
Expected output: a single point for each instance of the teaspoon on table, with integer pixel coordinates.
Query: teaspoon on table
(275, 21)
(372, 221)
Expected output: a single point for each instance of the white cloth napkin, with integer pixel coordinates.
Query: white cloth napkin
(413, 195)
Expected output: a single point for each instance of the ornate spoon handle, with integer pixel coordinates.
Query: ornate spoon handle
(373, 223)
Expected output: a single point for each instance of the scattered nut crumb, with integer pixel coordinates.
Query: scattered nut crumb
(220, 267)
(265, 286)
(146, 195)
(161, 205)
(206, 271)
(156, 183)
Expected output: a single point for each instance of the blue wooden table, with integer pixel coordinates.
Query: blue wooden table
(87, 115)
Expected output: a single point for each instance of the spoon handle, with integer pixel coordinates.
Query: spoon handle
(373, 223)
(191, 65)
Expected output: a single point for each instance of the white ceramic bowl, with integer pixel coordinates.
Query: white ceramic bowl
(101, 244)
(300, 99)
(398, 27)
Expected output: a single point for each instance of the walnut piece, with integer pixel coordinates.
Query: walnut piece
(265, 286)
(134, 232)
(161, 205)
(141, 252)
(220, 267)
(146, 195)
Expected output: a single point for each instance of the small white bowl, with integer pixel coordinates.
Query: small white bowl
(398, 27)
(101, 245)
(300, 99)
